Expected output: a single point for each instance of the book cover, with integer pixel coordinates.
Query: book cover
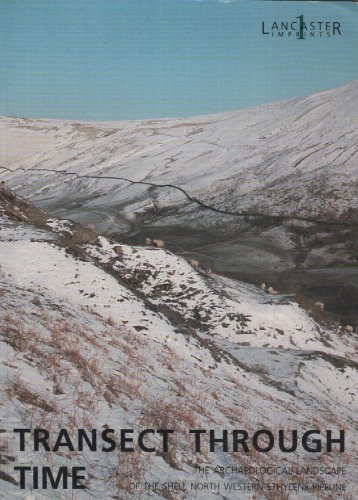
(178, 249)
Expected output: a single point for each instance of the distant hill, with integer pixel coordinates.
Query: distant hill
(296, 157)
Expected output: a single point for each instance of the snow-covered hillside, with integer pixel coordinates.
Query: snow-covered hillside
(296, 157)
(98, 335)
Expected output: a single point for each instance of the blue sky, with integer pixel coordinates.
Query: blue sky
(122, 59)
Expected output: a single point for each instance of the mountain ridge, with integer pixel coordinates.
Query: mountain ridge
(193, 154)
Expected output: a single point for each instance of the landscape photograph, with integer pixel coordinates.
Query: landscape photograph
(178, 250)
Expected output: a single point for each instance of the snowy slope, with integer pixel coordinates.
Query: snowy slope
(296, 157)
(232, 310)
(92, 337)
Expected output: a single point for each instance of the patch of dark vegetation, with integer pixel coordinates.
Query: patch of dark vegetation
(22, 393)
(337, 361)
(4, 476)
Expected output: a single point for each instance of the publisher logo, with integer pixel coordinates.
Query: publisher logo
(301, 28)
